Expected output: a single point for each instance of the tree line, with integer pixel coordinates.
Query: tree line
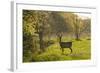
(40, 24)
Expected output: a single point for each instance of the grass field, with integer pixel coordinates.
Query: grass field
(81, 51)
(45, 32)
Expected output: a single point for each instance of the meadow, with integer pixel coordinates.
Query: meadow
(81, 51)
(46, 32)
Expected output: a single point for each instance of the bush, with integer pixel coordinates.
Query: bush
(50, 57)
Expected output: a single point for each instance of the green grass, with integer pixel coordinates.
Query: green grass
(81, 51)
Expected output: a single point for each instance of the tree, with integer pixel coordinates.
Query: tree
(77, 22)
(28, 44)
(40, 25)
(80, 26)
(87, 27)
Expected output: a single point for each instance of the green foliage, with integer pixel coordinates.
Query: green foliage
(27, 56)
(27, 46)
(39, 33)
(81, 51)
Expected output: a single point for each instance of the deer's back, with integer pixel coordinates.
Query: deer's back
(65, 44)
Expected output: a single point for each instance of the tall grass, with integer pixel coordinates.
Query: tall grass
(81, 51)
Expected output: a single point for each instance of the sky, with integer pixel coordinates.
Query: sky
(84, 15)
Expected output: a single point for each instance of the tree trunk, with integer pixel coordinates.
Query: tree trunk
(77, 37)
(41, 40)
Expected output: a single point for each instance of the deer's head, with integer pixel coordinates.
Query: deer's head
(59, 35)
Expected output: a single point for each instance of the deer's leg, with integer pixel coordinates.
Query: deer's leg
(62, 50)
(71, 50)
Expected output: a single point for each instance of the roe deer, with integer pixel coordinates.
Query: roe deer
(64, 44)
